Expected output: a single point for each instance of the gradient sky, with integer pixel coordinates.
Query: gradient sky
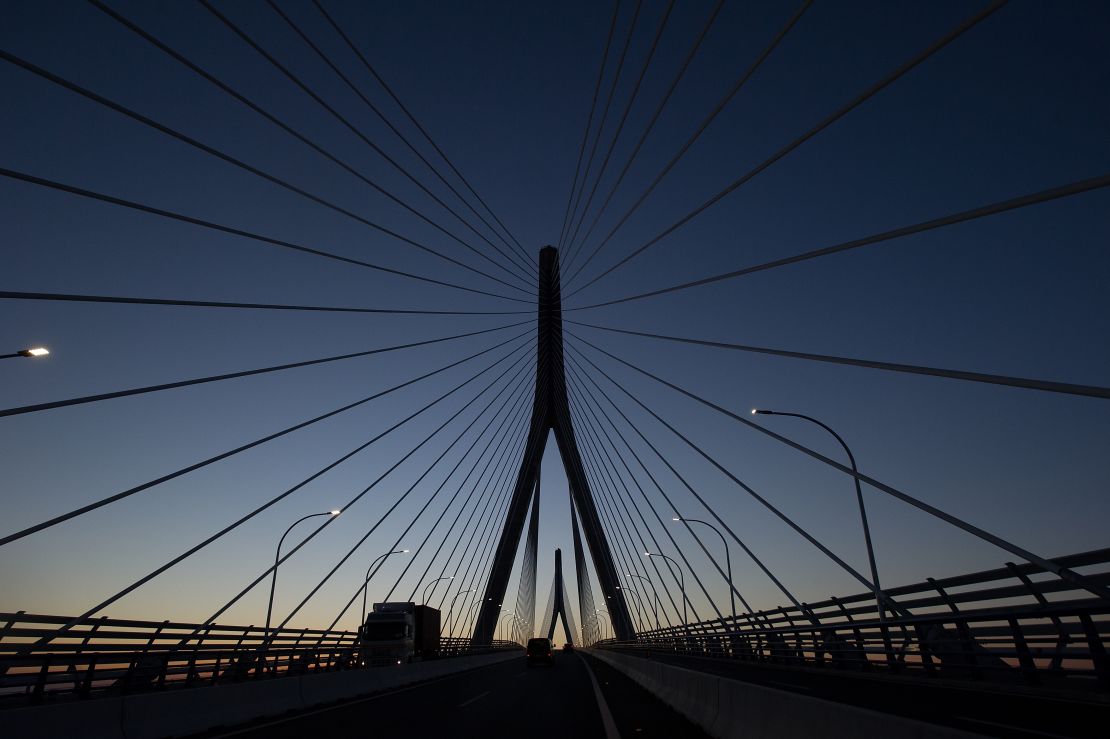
(1016, 105)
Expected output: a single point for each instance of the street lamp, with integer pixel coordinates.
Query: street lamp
(38, 351)
(470, 611)
(681, 584)
(366, 581)
(879, 597)
(277, 558)
(602, 610)
(451, 609)
(433, 582)
(501, 623)
(728, 561)
(520, 624)
(658, 603)
(638, 602)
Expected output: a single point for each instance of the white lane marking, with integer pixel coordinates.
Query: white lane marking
(367, 699)
(1011, 727)
(606, 717)
(475, 698)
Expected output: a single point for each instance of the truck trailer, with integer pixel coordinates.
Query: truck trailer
(396, 633)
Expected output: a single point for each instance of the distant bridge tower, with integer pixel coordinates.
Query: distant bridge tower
(557, 605)
(551, 412)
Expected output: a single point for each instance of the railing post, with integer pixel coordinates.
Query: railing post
(1097, 650)
(165, 666)
(40, 682)
(1025, 657)
(924, 649)
(86, 684)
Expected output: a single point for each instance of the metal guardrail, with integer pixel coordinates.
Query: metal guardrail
(1014, 624)
(106, 656)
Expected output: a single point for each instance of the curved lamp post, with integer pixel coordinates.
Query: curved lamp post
(451, 609)
(424, 597)
(366, 581)
(637, 602)
(681, 584)
(277, 560)
(501, 623)
(879, 597)
(728, 561)
(602, 610)
(658, 603)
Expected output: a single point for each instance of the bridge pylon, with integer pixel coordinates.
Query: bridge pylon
(557, 605)
(551, 413)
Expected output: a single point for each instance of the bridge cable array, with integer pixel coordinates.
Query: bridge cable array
(590, 119)
(477, 448)
(1043, 196)
(204, 74)
(527, 269)
(1041, 562)
(240, 164)
(565, 242)
(721, 105)
(572, 256)
(844, 110)
(291, 490)
(528, 256)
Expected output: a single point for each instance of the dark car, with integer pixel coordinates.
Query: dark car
(539, 650)
(568, 647)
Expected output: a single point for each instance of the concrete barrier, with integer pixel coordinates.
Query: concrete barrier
(183, 712)
(726, 708)
(328, 687)
(93, 719)
(189, 711)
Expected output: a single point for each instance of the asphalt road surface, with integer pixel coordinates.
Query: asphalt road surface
(507, 699)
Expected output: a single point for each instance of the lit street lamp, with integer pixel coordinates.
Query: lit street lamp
(38, 351)
(433, 582)
(728, 561)
(277, 559)
(681, 584)
(879, 597)
(366, 581)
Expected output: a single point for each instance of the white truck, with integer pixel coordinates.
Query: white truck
(396, 633)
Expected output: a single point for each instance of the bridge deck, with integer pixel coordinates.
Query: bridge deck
(506, 699)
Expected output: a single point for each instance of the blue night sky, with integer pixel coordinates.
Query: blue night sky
(1016, 105)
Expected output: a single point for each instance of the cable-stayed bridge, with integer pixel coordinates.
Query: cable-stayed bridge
(676, 615)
